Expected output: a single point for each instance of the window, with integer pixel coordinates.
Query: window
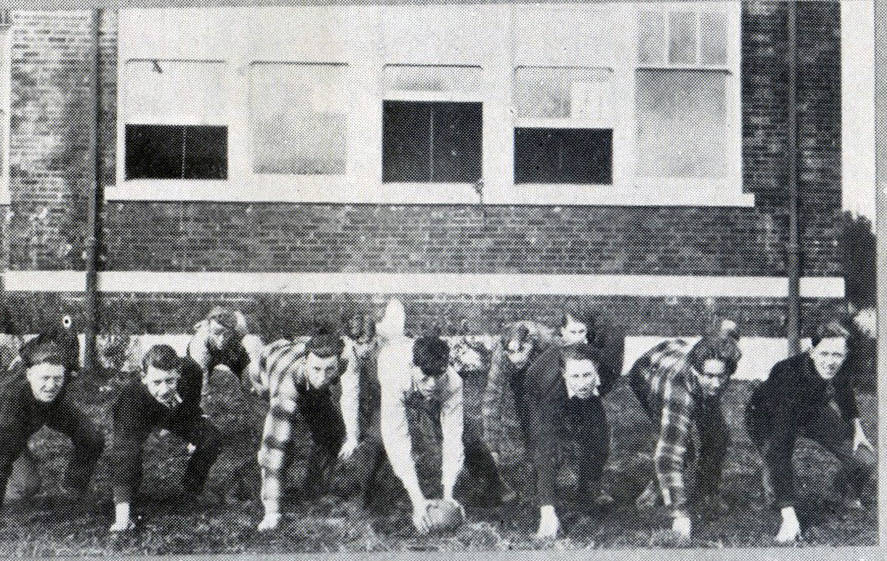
(682, 94)
(298, 118)
(559, 155)
(431, 141)
(175, 120)
(564, 125)
(176, 152)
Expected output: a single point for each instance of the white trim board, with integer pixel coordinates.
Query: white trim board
(422, 283)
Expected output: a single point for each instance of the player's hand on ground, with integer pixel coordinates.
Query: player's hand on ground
(549, 524)
(681, 525)
(420, 517)
(269, 522)
(859, 439)
(790, 530)
(122, 526)
(348, 448)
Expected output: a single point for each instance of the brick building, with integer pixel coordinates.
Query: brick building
(481, 162)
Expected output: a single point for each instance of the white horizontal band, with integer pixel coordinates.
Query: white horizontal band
(422, 283)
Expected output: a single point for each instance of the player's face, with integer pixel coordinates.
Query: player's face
(574, 331)
(219, 335)
(829, 355)
(426, 384)
(161, 384)
(581, 377)
(321, 370)
(713, 378)
(46, 381)
(518, 352)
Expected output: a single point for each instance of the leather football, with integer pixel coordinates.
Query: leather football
(443, 515)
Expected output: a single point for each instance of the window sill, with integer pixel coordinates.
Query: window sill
(610, 195)
(305, 189)
(338, 190)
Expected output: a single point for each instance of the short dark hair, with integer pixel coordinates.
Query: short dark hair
(832, 328)
(579, 311)
(431, 354)
(324, 343)
(581, 351)
(42, 351)
(515, 332)
(721, 343)
(162, 357)
(223, 316)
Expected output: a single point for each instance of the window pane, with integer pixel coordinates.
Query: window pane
(174, 91)
(682, 38)
(406, 141)
(433, 78)
(153, 151)
(206, 153)
(457, 142)
(431, 141)
(299, 118)
(559, 92)
(681, 123)
(713, 40)
(543, 155)
(651, 37)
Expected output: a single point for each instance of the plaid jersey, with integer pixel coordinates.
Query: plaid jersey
(502, 374)
(285, 362)
(665, 385)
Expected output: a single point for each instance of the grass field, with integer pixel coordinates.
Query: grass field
(224, 520)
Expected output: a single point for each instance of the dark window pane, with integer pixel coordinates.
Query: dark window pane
(457, 142)
(206, 153)
(431, 141)
(153, 151)
(156, 152)
(563, 155)
(405, 141)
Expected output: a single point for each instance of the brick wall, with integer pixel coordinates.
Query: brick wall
(49, 170)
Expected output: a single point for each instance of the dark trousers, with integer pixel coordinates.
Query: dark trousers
(521, 410)
(86, 437)
(587, 432)
(327, 430)
(714, 438)
(826, 427)
(196, 430)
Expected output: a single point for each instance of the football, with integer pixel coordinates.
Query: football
(443, 515)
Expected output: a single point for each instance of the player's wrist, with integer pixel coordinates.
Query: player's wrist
(271, 507)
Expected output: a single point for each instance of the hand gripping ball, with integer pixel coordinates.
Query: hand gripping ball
(443, 515)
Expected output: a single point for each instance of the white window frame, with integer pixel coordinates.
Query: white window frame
(439, 192)
(710, 191)
(240, 36)
(611, 122)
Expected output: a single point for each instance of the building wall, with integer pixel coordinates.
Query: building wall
(49, 182)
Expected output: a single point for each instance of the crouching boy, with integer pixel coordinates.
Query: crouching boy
(166, 397)
(810, 395)
(36, 397)
(301, 383)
